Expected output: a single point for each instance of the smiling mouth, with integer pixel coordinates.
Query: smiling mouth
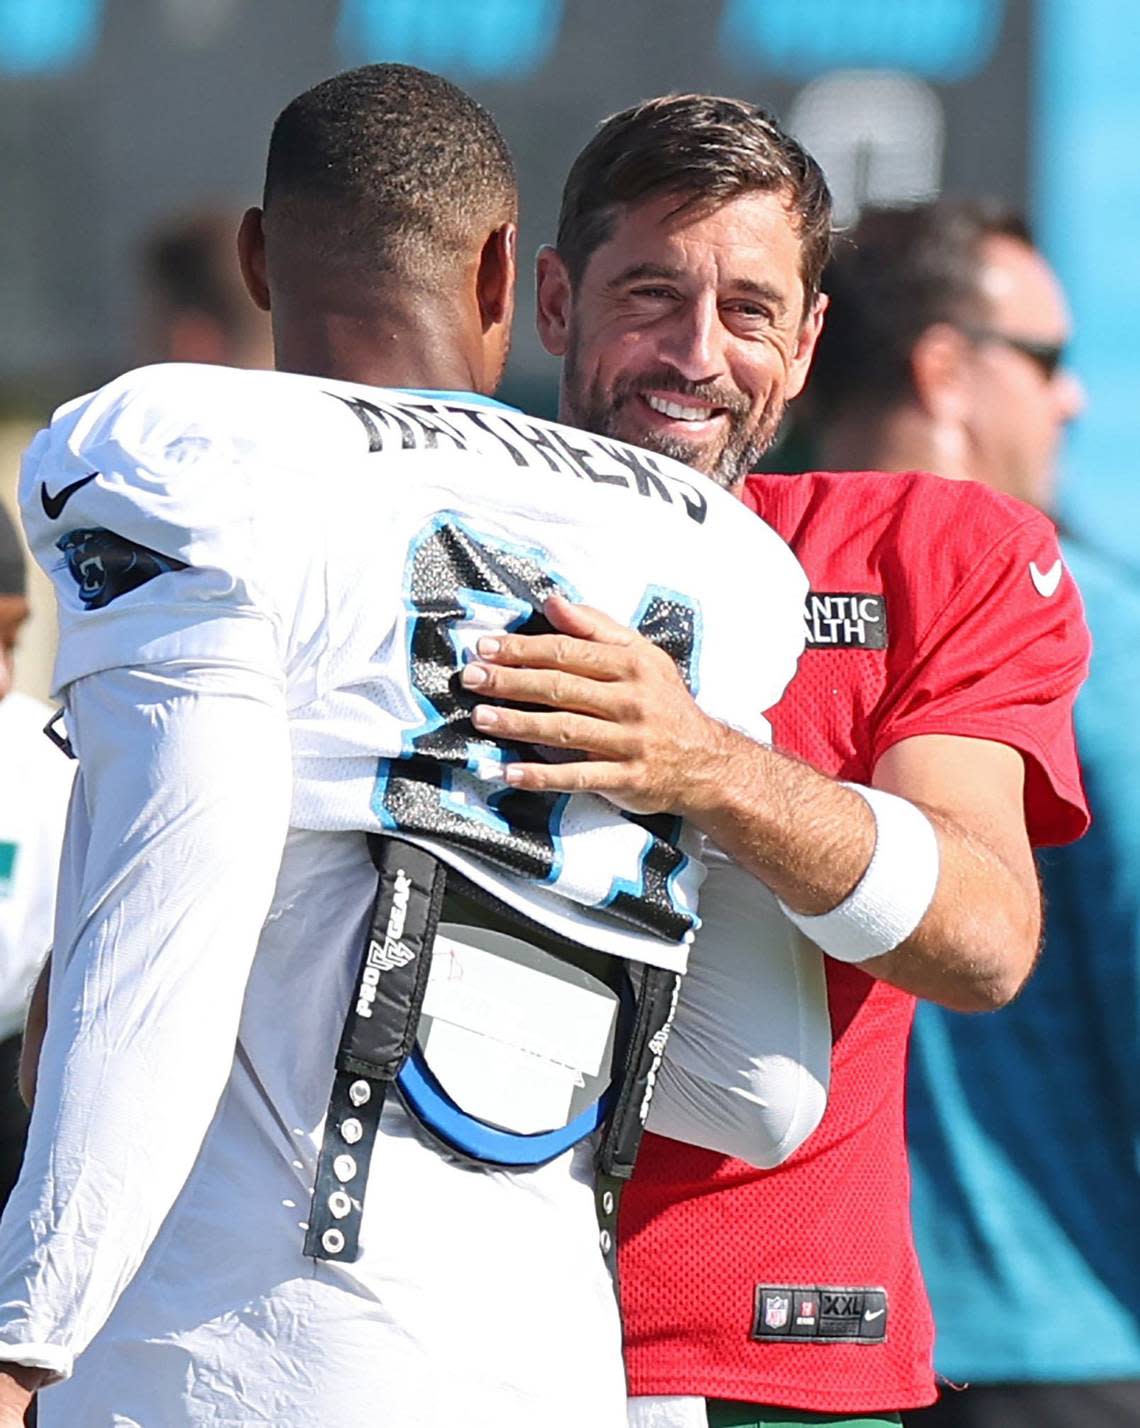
(680, 411)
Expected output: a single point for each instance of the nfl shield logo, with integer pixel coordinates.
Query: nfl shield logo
(776, 1310)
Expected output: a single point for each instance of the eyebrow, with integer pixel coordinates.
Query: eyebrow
(639, 272)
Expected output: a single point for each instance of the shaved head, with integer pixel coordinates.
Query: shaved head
(388, 170)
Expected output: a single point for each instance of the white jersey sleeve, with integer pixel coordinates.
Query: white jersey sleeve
(172, 851)
(748, 1062)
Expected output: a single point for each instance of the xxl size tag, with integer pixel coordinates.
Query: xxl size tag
(819, 1314)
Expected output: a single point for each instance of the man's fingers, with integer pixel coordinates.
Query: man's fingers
(593, 776)
(552, 687)
(581, 657)
(596, 737)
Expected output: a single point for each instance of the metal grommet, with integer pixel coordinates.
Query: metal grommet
(605, 1241)
(344, 1168)
(332, 1241)
(360, 1093)
(339, 1204)
(351, 1130)
(608, 1202)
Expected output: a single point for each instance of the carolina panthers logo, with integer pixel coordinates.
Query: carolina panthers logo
(105, 565)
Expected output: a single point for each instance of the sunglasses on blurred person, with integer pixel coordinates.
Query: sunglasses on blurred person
(1047, 357)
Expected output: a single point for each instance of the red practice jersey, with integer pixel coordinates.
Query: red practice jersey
(937, 607)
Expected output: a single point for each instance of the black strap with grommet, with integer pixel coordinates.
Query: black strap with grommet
(621, 1138)
(379, 1032)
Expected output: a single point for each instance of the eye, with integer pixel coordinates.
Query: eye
(653, 292)
(753, 311)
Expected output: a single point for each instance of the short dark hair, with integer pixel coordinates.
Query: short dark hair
(189, 264)
(392, 166)
(707, 150)
(898, 272)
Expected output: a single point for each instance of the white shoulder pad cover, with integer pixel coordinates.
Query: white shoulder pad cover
(138, 502)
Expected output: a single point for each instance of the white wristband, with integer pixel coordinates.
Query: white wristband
(892, 896)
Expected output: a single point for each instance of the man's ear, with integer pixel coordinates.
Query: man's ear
(939, 368)
(251, 257)
(495, 280)
(554, 300)
(806, 341)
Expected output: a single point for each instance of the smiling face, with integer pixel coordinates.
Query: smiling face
(686, 333)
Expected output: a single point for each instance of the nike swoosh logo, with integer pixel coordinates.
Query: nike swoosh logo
(1046, 583)
(873, 1313)
(53, 505)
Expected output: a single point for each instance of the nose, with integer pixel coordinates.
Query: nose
(1068, 395)
(693, 341)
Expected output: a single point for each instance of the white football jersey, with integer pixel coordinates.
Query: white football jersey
(267, 585)
(356, 542)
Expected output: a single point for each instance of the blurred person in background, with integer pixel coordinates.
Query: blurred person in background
(684, 297)
(194, 304)
(191, 307)
(35, 781)
(945, 349)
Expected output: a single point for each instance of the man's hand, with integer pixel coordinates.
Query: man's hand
(608, 693)
(18, 1385)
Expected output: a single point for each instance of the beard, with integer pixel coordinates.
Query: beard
(727, 460)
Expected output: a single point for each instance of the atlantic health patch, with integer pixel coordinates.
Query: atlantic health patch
(845, 620)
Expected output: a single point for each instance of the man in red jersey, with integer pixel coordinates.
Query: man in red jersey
(935, 696)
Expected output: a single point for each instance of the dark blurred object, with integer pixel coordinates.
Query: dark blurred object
(195, 308)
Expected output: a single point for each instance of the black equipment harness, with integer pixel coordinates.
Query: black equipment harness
(379, 1050)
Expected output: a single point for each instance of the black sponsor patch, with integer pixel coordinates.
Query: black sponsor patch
(819, 1314)
(845, 620)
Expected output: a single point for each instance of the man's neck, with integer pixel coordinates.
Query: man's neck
(905, 439)
(386, 347)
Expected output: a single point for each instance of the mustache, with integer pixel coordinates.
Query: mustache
(664, 379)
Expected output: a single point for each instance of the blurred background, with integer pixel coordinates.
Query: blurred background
(116, 115)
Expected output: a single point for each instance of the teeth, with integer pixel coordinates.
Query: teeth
(678, 412)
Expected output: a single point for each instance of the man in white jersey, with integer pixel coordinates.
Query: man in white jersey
(268, 585)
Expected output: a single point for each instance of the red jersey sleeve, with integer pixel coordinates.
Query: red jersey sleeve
(1001, 657)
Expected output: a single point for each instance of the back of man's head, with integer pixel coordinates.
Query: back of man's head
(898, 272)
(389, 171)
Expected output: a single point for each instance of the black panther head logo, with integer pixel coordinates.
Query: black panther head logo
(105, 565)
